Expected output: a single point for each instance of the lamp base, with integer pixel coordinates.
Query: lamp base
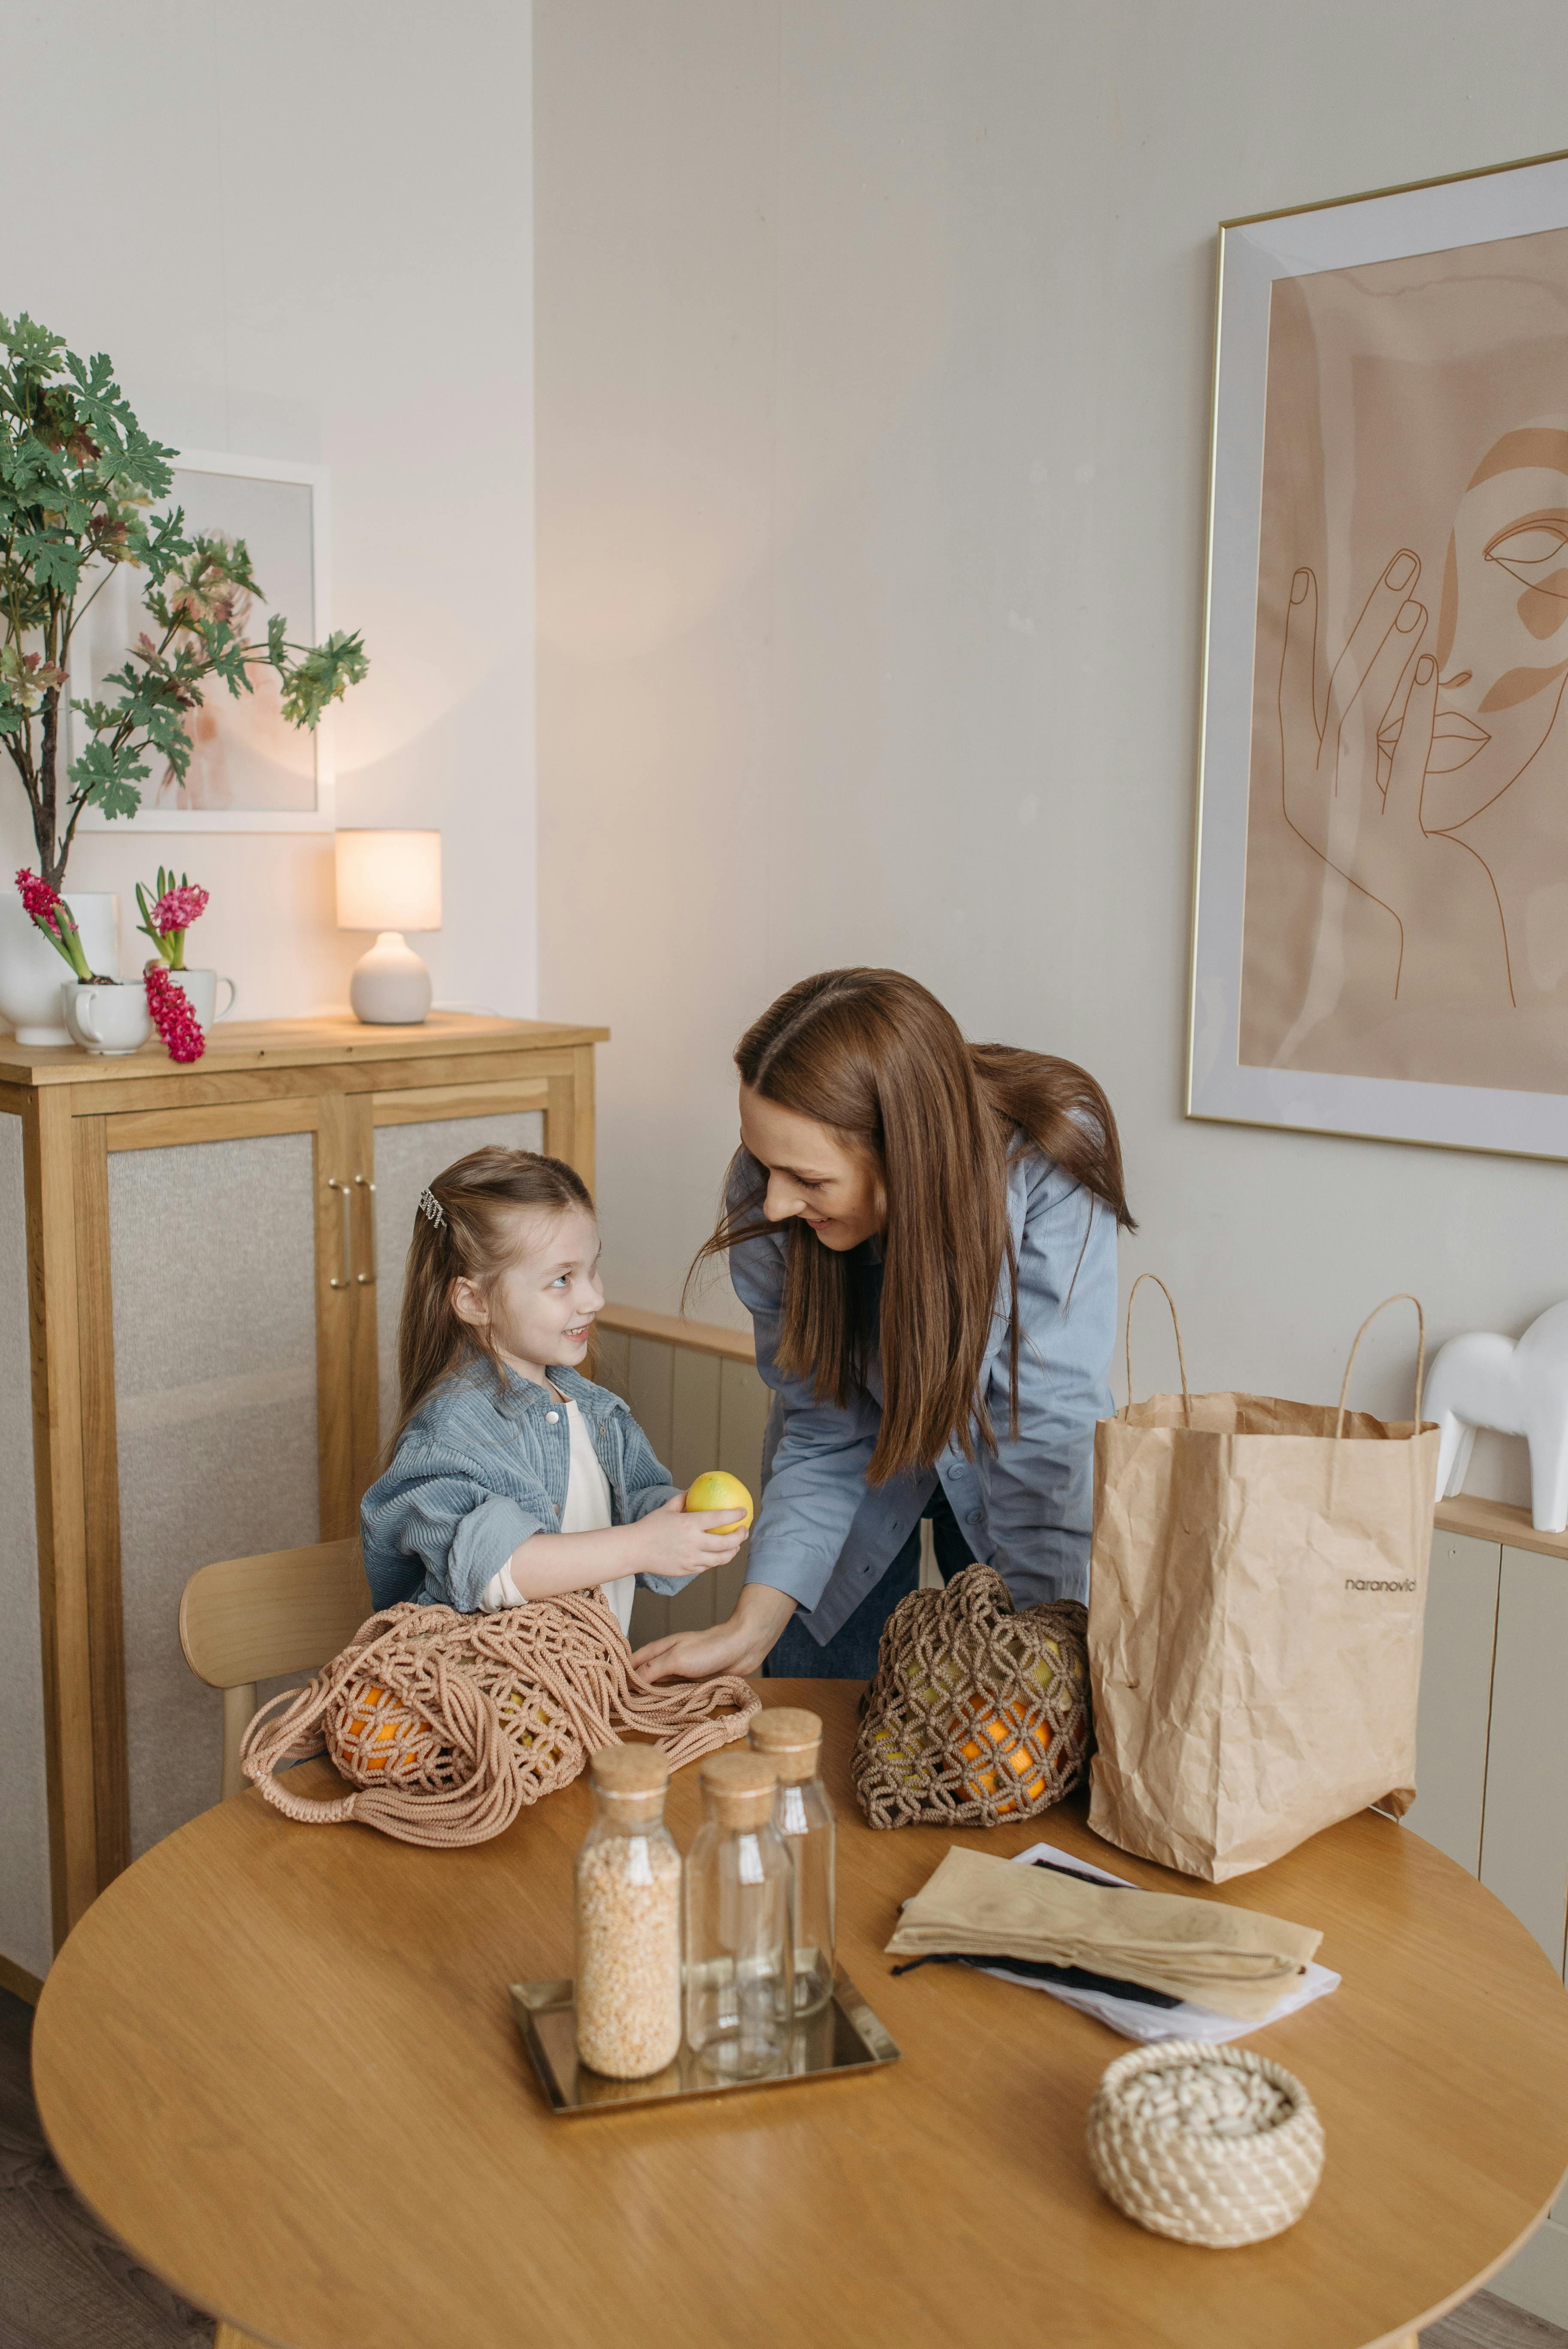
(391, 987)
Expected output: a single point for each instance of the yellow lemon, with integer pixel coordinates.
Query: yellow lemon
(719, 1490)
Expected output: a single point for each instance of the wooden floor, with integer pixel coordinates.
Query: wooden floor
(1487, 2322)
(65, 2283)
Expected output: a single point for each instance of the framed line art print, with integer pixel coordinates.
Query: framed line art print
(250, 771)
(1380, 937)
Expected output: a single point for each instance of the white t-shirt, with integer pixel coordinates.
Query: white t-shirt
(587, 1511)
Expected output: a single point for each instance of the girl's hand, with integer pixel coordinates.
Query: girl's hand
(738, 1646)
(678, 1540)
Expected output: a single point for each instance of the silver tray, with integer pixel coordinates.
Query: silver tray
(845, 2037)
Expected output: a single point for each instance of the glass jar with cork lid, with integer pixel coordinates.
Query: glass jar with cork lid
(791, 1738)
(628, 1916)
(739, 1996)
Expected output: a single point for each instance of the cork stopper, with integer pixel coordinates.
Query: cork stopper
(634, 1778)
(739, 1786)
(791, 1738)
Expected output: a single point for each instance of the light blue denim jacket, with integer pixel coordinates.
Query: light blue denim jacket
(827, 1538)
(482, 1466)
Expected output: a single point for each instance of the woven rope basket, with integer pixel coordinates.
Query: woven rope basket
(1211, 2145)
(447, 1724)
(978, 1715)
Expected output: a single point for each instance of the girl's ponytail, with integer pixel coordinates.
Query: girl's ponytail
(465, 1230)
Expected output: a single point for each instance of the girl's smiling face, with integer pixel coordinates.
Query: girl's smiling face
(813, 1172)
(542, 1308)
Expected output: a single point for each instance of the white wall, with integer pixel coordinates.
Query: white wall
(304, 231)
(874, 351)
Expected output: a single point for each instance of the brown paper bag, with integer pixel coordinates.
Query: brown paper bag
(1256, 1589)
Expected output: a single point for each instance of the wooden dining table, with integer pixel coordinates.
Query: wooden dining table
(279, 2060)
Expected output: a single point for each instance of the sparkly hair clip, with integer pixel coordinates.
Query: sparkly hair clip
(431, 1206)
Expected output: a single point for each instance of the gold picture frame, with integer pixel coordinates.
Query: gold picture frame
(1348, 973)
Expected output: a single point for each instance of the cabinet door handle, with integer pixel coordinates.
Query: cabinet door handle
(346, 1237)
(362, 1183)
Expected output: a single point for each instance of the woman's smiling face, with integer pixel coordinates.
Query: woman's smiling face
(1503, 628)
(813, 1172)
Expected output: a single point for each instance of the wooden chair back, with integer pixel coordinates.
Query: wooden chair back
(247, 1618)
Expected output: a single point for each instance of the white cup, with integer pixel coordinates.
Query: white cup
(200, 987)
(109, 1020)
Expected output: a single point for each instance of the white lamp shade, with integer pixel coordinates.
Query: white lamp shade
(388, 880)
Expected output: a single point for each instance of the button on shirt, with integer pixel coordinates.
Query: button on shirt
(587, 1511)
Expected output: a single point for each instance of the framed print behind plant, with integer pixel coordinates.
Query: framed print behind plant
(250, 771)
(1380, 940)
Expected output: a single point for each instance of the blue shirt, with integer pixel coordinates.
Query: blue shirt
(827, 1538)
(482, 1465)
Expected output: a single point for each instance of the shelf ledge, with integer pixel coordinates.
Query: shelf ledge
(1496, 1521)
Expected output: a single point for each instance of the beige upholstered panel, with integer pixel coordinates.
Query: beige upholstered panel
(407, 1158)
(26, 1935)
(214, 1343)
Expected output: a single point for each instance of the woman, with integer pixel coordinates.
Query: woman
(924, 1234)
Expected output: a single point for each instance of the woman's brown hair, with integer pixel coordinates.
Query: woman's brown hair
(472, 1236)
(876, 1056)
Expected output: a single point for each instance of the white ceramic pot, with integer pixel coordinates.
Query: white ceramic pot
(110, 1020)
(201, 989)
(31, 972)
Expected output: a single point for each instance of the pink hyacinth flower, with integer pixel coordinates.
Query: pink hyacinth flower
(178, 909)
(171, 1013)
(39, 899)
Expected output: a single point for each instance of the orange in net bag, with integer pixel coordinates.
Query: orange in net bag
(977, 1714)
(448, 1725)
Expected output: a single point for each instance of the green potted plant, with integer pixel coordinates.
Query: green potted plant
(80, 483)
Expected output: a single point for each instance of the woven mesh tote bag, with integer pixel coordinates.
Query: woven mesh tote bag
(977, 1714)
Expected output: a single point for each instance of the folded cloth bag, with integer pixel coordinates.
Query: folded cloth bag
(447, 1724)
(976, 1715)
(1232, 1961)
(1257, 1584)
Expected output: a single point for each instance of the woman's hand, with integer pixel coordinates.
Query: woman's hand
(738, 1646)
(1354, 783)
(675, 1539)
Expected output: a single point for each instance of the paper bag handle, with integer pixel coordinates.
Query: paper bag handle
(1404, 1298)
(1176, 1325)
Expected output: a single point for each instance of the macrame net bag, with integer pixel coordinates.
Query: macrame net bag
(448, 1725)
(978, 1715)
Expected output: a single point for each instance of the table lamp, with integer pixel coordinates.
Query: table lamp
(389, 881)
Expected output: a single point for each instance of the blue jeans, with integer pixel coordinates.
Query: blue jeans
(852, 1653)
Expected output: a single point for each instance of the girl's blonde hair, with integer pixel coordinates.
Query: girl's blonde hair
(471, 1235)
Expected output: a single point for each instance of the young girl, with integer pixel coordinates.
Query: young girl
(512, 1477)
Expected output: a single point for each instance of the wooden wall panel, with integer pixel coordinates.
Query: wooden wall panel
(693, 1449)
(700, 1409)
(743, 1401)
(1456, 1696)
(1524, 1829)
(650, 1381)
(694, 1439)
(609, 1361)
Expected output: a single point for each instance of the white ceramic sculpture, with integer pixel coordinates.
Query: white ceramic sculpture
(1520, 1387)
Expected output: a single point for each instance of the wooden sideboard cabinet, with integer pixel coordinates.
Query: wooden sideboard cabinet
(1492, 1761)
(200, 1276)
